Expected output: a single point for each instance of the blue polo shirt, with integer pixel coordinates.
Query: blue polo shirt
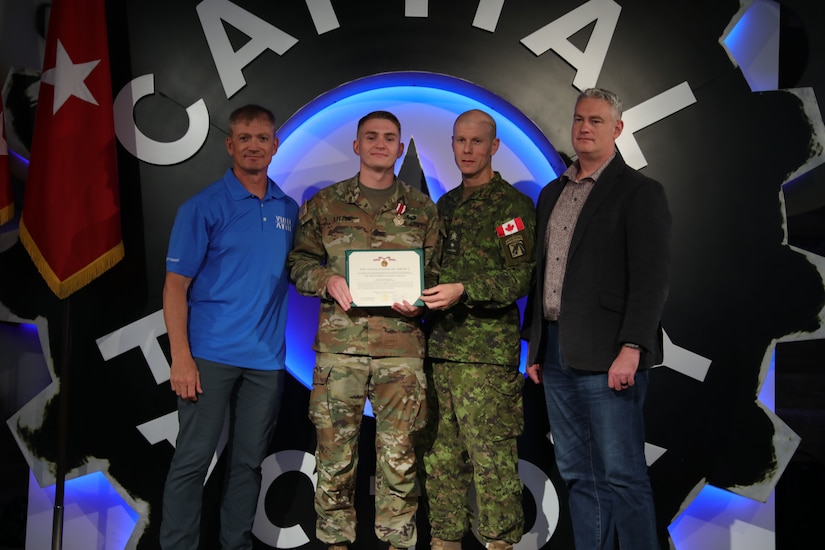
(234, 246)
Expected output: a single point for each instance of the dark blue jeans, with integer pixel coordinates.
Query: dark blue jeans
(599, 441)
(251, 397)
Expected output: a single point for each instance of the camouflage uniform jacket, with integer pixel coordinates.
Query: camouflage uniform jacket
(338, 219)
(492, 256)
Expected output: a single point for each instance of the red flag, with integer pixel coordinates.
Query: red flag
(6, 198)
(70, 223)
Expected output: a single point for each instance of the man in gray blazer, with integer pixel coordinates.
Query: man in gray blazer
(593, 324)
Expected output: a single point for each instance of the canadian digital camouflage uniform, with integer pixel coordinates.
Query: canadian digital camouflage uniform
(475, 349)
(365, 352)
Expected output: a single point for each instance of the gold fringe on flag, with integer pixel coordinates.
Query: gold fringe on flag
(76, 281)
(6, 213)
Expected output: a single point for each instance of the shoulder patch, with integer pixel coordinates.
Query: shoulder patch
(515, 247)
(303, 213)
(510, 227)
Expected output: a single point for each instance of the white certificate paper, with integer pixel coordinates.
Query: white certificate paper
(380, 278)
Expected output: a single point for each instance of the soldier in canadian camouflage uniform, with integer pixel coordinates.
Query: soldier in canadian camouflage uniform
(366, 352)
(475, 345)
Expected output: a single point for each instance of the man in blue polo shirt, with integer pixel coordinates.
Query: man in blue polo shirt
(224, 302)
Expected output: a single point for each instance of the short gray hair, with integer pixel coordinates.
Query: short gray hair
(605, 95)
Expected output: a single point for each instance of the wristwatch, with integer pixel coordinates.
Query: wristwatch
(631, 345)
(463, 299)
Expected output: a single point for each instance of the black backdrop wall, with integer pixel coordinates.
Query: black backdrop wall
(737, 289)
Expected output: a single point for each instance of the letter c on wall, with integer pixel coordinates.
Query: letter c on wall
(271, 469)
(149, 150)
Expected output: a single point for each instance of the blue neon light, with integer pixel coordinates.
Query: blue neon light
(108, 519)
(737, 39)
(423, 87)
(712, 511)
(754, 43)
(713, 508)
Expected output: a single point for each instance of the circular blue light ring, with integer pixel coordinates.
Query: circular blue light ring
(427, 80)
(534, 151)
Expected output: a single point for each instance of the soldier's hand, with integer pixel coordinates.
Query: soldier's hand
(407, 309)
(442, 296)
(534, 372)
(338, 290)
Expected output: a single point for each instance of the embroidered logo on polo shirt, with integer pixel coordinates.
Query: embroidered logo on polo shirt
(283, 223)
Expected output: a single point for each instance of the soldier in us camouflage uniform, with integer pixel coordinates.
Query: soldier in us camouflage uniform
(366, 352)
(475, 345)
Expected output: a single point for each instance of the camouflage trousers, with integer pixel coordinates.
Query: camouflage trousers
(396, 388)
(480, 415)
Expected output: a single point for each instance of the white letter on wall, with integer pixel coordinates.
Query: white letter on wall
(149, 150)
(262, 37)
(554, 36)
(271, 469)
(143, 334)
(416, 8)
(547, 506)
(323, 15)
(488, 14)
(646, 113)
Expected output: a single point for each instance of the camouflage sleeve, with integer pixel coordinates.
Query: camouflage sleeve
(504, 283)
(307, 260)
(433, 242)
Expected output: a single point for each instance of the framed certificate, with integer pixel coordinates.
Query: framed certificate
(380, 278)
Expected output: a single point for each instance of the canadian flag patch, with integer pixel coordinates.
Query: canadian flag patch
(509, 227)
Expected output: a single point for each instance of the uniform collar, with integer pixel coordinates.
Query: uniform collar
(352, 193)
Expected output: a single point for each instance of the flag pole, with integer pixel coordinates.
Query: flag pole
(72, 231)
(62, 426)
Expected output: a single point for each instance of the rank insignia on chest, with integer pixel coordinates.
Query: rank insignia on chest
(453, 238)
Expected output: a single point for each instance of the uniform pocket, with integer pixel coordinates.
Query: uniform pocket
(319, 409)
(504, 412)
(421, 412)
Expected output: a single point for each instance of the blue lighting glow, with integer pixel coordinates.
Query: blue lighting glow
(715, 509)
(767, 395)
(713, 512)
(94, 513)
(18, 157)
(316, 150)
(754, 43)
(738, 36)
